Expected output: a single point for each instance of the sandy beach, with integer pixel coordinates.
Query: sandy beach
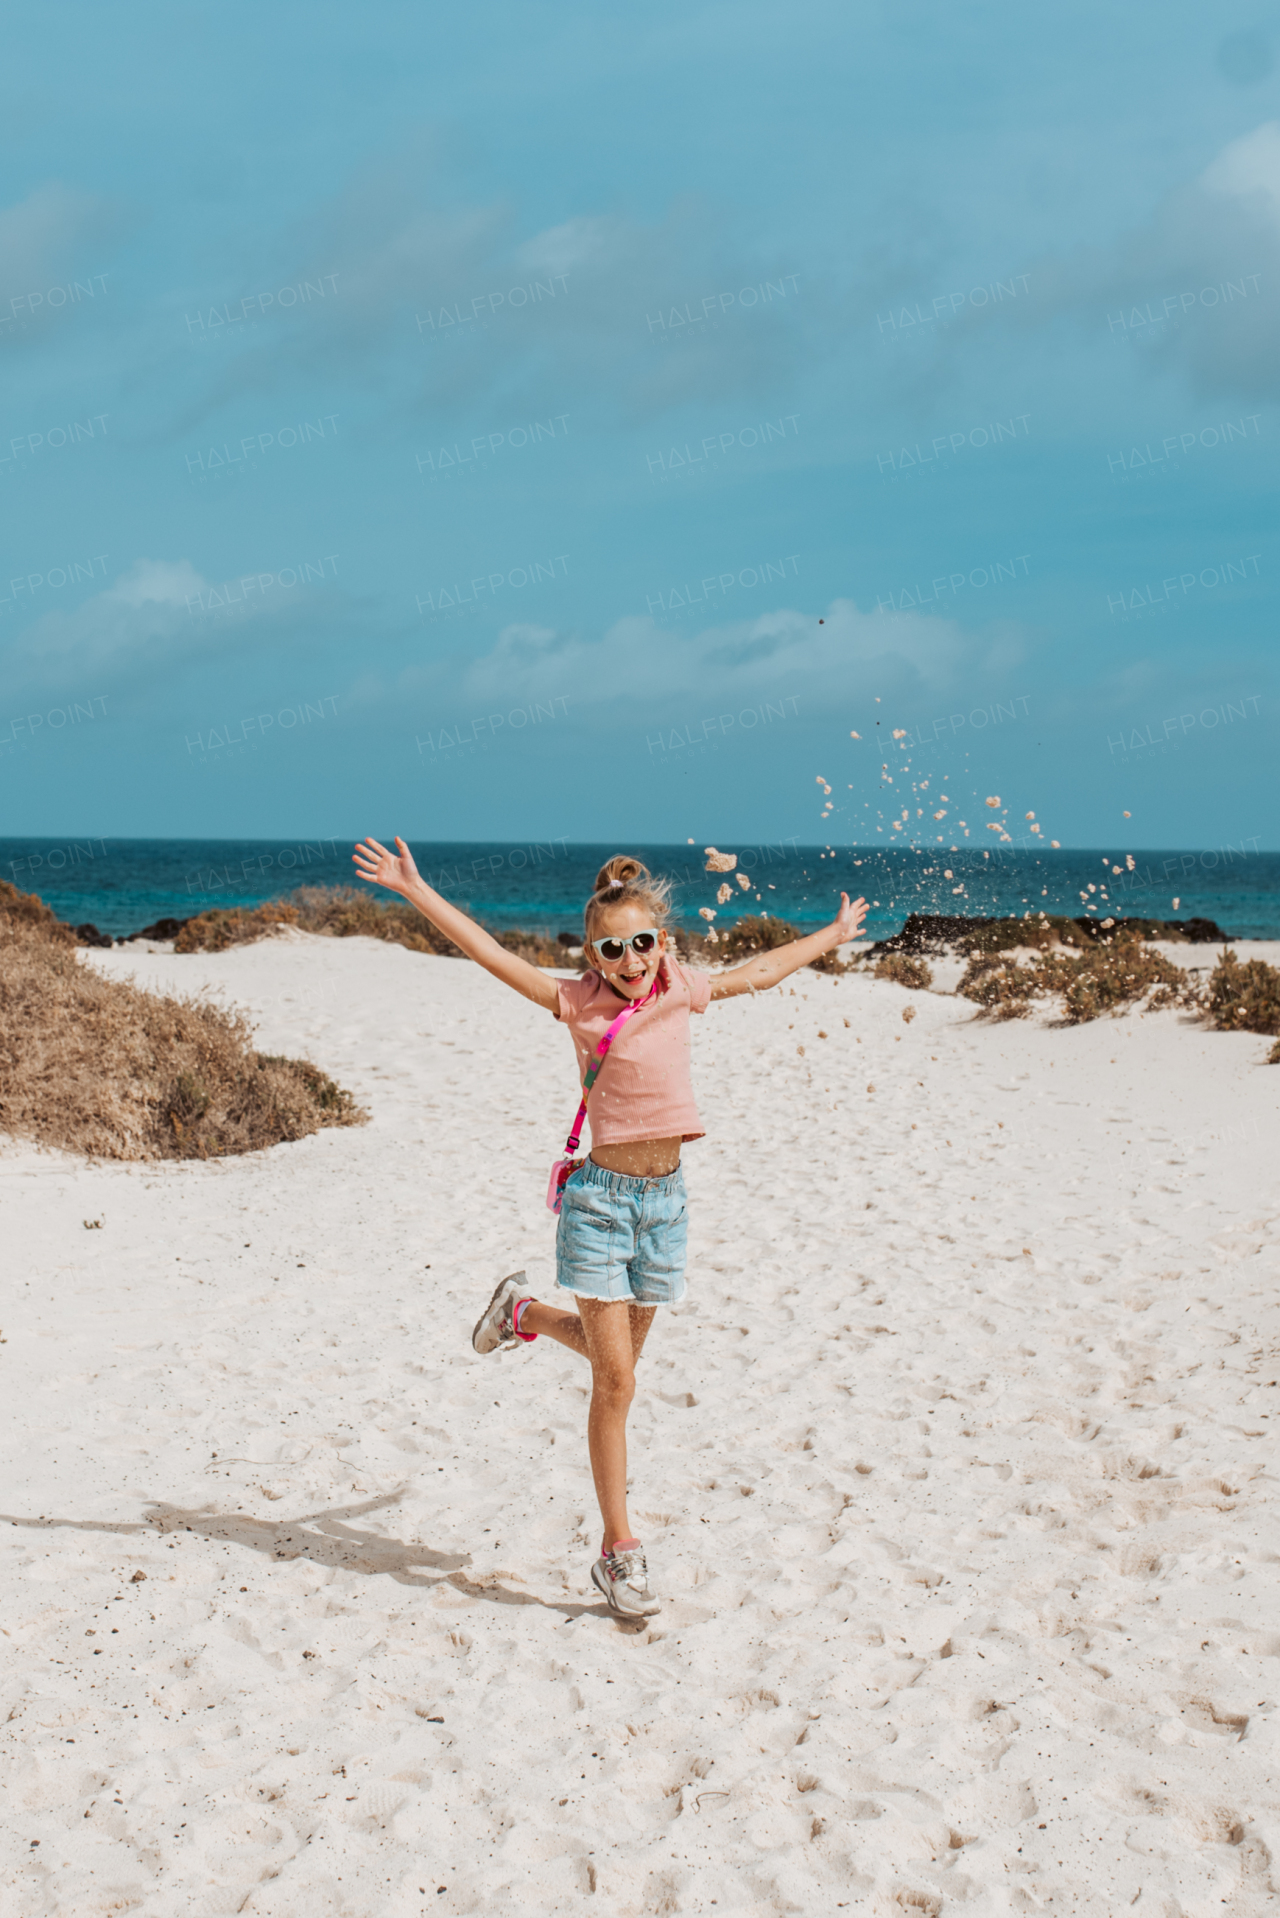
(957, 1470)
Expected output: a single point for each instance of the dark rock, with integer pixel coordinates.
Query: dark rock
(1196, 932)
(928, 931)
(1201, 932)
(87, 935)
(568, 938)
(163, 929)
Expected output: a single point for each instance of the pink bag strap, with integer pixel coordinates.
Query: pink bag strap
(602, 1051)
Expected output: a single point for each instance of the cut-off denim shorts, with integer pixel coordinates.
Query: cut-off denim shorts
(621, 1238)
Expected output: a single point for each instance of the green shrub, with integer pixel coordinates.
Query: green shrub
(902, 970)
(1102, 978)
(1244, 998)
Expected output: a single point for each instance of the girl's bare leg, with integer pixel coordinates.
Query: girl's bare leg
(566, 1327)
(611, 1336)
(555, 1324)
(611, 1350)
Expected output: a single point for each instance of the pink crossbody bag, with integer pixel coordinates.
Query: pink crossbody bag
(563, 1169)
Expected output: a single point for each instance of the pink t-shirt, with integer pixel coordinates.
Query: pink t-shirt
(644, 1090)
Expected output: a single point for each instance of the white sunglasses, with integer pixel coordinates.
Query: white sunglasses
(640, 943)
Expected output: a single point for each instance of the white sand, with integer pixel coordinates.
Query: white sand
(955, 1469)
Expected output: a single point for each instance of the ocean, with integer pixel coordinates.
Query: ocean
(122, 885)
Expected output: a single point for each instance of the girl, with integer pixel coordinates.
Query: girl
(620, 1243)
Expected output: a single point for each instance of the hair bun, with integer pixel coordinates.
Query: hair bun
(624, 881)
(618, 872)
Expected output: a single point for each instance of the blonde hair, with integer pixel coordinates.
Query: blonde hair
(623, 881)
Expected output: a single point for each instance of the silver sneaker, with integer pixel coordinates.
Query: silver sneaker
(623, 1577)
(494, 1326)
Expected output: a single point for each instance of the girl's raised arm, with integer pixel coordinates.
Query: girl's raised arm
(399, 874)
(770, 968)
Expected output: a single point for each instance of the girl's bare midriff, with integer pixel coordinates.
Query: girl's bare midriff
(639, 1158)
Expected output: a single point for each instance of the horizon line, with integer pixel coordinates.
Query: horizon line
(666, 845)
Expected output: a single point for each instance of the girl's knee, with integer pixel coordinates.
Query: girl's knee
(614, 1383)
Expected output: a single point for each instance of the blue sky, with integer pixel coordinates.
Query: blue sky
(580, 421)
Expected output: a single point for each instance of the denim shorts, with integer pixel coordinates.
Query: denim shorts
(621, 1238)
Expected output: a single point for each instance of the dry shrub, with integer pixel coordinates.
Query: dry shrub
(755, 932)
(539, 948)
(1244, 998)
(339, 912)
(98, 1066)
(1184, 992)
(1107, 977)
(233, 926)
(342, 911)
(1116, 974)
(830, 962)
(1041, 933)
(693, 948)
(27, 911)
(1002, 987)
(902, 970)
(1101, 979)
(345, 912)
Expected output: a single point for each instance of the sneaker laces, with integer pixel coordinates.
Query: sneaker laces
(507, 1334)
(623, 1566)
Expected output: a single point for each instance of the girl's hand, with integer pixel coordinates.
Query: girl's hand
(848, 921)
(375, 863)
(771, 968)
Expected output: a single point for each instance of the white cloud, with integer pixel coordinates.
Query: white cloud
(144, 606)
(1249, 165)
(849, 657)
(157, 582)
(1196, 287)
(56, 234)
(576, 246)
(162, 614)
(412, 269)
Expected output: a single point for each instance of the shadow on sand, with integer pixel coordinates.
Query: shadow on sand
(325, 1538)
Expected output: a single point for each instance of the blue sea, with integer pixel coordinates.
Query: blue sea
(122, 885)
